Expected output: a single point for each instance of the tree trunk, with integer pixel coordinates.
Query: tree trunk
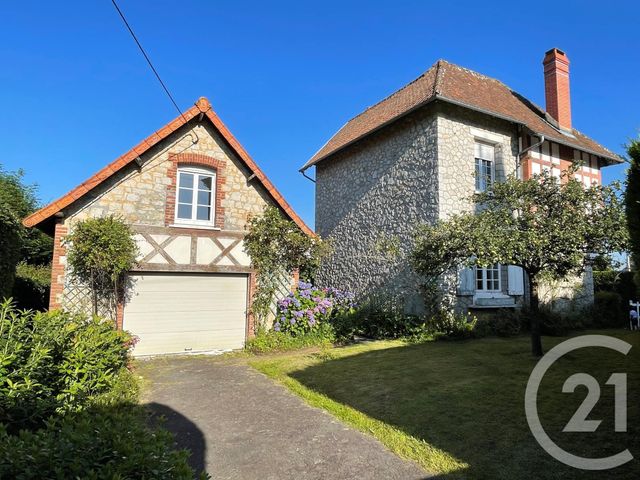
(534, 305)
(94, 293)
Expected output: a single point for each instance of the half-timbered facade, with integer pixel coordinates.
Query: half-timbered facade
(187, 191)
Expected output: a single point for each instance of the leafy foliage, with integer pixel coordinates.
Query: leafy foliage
(99, 443)
(31, 286)
(68, 403)
(609, 310)
(10, 245)
(277, 247)
(54, 362)
(100, 251)
(541, 224)
(308, 307)
(21, 200)
(632, 202)
(274, 341)
(505, 323)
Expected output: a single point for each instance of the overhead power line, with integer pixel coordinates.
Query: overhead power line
(155, 72)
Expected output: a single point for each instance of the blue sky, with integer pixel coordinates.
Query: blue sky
(284, 76)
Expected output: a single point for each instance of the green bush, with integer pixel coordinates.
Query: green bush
(450, 325)
(619, 282)
(274, 341)
(504, 323)
(68, 403)
(53, 362)
(608, 310)
(115, 442)
(379, 318)
(307, 308)
(31, 286)
(10, 245)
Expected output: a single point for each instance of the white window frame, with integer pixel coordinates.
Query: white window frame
(479, 159)
(196, 172)
(496, 267)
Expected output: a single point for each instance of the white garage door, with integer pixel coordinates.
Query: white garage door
(177, 313)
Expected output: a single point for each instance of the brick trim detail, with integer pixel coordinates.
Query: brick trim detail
(57, 267)
(119, 314)
(195, 159)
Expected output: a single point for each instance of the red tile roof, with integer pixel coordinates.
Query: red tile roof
(202, 106)
(450, 83)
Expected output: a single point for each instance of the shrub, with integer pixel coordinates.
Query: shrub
(608, 310)
(273, 341)
(306, 309)
(31, 286)
(504, 323)
(97, 443)
(10, 245)
(380, 318)
(100, 251)
(619, 282)
(450, 325)
(53, 362)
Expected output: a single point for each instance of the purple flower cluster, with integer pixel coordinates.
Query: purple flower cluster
(305, 308)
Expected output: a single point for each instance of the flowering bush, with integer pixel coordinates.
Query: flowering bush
(302, 311)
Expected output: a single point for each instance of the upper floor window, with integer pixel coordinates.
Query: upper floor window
(484, 154)
(195, 196)
(488, 278)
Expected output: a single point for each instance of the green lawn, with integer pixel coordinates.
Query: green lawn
(457, 408)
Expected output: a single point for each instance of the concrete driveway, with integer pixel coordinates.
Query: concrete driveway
(241, 425)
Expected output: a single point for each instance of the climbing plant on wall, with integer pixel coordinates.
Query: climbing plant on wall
(277, 248)
(100, 251)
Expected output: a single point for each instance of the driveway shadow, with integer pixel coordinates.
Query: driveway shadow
(187, 434)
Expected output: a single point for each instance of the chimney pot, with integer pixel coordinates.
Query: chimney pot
(556, 86)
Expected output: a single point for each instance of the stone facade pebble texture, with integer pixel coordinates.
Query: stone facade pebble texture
(377, 191)
(373, 195)
(139, 195)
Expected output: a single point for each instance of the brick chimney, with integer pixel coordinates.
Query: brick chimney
(556, 87)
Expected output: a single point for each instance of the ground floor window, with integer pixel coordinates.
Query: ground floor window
(488, 278)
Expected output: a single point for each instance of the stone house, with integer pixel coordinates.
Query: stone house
(187, 191)
(418, 155)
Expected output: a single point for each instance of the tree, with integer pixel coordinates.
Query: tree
(277, 247)
(21, 200)
(100, 251)
(548, 227)
(632, 203)
(10, 245)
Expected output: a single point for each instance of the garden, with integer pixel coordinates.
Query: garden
(456, 408)
(69, 403)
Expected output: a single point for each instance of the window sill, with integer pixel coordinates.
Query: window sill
(192, 226)
(480, 294)
(491, 307)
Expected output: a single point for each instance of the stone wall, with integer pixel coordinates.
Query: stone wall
(371, 196)
(458, 130)
(369, 200)
(139, 196)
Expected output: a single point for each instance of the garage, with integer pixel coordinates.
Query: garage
(186, 312)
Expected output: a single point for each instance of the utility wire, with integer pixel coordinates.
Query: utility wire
(148, 59)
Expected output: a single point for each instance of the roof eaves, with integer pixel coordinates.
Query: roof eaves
(558, 139)
(201, 106)
(313, 162)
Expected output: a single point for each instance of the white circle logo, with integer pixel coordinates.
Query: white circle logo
(579, 422)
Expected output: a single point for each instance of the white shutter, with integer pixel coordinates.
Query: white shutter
(516, 280)
(466, 281)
